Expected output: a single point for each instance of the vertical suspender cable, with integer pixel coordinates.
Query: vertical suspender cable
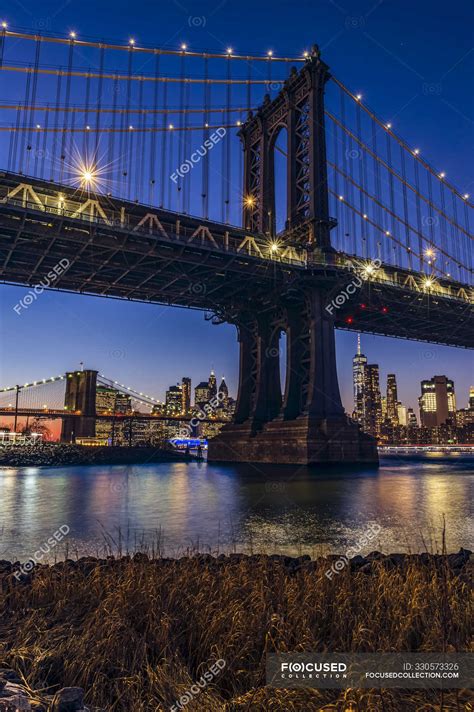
(344, 192)
(226, 144)
(205, 137)
(25, 119)
(187, 149)
(99, 103)
(33, 103)
(164, 143)
(140, 166)
(418, 214)
(126, 148)
(56, 122)
(405, 208)
(394, 223)
(180, 134)
(152, 177)
(85, 143)
(113, 162)
(44, 151)
(62, 157)
(361, 176)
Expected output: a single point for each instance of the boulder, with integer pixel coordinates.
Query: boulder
(69, 699)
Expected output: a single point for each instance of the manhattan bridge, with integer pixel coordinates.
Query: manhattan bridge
(256, 188)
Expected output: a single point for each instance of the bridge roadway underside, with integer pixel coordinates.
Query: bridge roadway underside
(111, 262)
(262, 297)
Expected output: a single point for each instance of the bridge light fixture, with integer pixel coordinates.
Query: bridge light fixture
(387, 232)
(465, 196)
(428, 282)
(270, 53)
(130, 128)
(184, 47)
(206, 125)
(4, 25)
(274, 247)
(171, 126)
(358, 97)
(364, 216)
(416, 151)
(131, 42)
(88, 128)
(229, 50)
(239, 123)
(249, 201)
(341, 197)
(430, 252)
(389, 126)
(442, 175)
(38, 126)
(305, 54)
(72, 35)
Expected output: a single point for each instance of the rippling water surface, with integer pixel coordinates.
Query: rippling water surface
(227, 507)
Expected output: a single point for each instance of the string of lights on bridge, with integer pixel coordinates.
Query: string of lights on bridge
(184, 50)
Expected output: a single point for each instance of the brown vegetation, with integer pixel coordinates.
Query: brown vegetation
(136, 632)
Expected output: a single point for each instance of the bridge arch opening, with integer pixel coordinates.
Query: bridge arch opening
(279, 156)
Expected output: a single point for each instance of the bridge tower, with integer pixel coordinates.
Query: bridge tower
(79, 399)
(307, 424)
(298, 108)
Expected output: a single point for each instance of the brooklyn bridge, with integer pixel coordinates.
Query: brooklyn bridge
(258, 189)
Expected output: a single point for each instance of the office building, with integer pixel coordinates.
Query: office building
(437, 402)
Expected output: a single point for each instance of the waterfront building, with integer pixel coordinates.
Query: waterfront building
(412, 421)
(402, 414)
(186, 395)
(201, 394)
(224, 393)
(392, 399)
(123, 403)
(359, 363)
(174, 400)
(105, 399)
(437, 402)
(372, 400)
(212, 385)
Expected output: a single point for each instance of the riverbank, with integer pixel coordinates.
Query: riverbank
(60, 454)
(136, 633)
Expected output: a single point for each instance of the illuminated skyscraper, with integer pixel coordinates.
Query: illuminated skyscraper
(174, 400)
(359, 363)
(392, 399)
(212, 385)
(224, 393)
(201, 394)
(437, 402)
(372, 400)
(186, 395)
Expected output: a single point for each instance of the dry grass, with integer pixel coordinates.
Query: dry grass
(135, 633)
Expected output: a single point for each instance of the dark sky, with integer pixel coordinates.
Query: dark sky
(413, 63)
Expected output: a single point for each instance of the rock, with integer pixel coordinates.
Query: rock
(9, 675)
(69, 699)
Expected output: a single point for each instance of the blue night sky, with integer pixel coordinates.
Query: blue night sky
(413, 63)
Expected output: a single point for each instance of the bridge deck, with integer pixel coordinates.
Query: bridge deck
(129, 251)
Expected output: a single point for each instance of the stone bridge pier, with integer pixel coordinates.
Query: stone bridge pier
(307, 424)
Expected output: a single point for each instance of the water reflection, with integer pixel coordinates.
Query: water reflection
(272, 509)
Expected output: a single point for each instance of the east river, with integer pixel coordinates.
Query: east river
(178, 507)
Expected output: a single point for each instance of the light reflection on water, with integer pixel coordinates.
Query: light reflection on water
(227, 507)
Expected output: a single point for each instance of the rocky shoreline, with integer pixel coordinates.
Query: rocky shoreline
(63, 455)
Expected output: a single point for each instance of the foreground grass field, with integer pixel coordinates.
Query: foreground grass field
(136, 633)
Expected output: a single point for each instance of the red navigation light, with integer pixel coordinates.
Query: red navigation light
(349, 320)
(362, 306)
(384, 310)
